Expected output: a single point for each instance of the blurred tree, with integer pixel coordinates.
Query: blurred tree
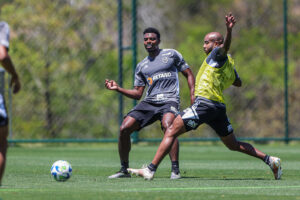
(57, 47)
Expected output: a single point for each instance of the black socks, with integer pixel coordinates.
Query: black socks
(124, 166)
(152, 167)
(175, 167)
(267, 160)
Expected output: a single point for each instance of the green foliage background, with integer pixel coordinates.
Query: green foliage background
(65, 49)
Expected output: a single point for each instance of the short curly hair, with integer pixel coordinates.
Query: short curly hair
(152, 30)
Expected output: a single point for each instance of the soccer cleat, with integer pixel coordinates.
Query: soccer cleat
(144, 172)
(275, 166)
(120, 174)
(175, 175)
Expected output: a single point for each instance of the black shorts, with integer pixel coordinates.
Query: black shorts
(209, 112)
(146, 113)
(3, 112)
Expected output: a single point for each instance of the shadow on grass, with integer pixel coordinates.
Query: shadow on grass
(224, 179)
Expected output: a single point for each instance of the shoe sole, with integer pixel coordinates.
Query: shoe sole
(175, 176)
(123, 176)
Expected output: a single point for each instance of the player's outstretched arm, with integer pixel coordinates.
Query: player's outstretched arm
(191, 82)
(10, 68)
(230, 22)
(135, 93)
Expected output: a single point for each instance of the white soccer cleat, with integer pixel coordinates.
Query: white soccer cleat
(275, 166)
(175, 176)
(144, 172)
(120, 174)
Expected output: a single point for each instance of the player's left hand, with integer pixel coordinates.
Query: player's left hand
(230, 21)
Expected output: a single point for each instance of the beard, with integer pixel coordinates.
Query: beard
(151, 48)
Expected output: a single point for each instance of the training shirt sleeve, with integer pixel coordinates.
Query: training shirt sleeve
(179, 62)
(237, 77)
(139, 79)
(216, 59)
(4, 34)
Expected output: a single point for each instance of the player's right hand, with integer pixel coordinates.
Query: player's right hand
(230, 20)
(111, 84)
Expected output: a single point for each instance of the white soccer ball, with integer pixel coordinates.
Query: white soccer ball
(61, 170)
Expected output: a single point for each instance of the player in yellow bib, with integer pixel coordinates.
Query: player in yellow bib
(212, 80)
(215, 75)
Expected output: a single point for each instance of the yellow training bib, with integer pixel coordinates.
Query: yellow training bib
(211, 81)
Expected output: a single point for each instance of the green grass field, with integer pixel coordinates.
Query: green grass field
(209, 172)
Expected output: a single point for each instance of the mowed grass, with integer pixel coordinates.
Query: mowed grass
(209, 172)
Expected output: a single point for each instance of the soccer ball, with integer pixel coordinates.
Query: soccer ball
(61, 170)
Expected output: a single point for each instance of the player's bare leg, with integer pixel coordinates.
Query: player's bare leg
(233, 144)
(171, 134)
(3, 149)
(129, 125)
(167, 121)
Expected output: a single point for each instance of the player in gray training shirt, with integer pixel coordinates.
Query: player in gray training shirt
(159, 71)
(6, 62)
(161, 76)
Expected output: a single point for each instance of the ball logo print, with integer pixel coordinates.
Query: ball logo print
(192, 123)
(61, 170)
(164, 59)
(150, 80)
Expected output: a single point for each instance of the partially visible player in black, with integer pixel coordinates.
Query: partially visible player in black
(159, 71)
(7, 63)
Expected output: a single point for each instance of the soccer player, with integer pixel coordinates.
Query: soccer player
(7, 63)
(216, 74)
(159, 71)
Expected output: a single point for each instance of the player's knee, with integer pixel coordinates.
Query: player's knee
(169, 133)
(164, 129)
(165, 126)
(124, 131)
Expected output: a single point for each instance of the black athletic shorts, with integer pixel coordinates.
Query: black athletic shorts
(146, 113)
(209, 112)
(3, 112)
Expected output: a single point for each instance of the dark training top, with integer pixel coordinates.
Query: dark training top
(161, 76)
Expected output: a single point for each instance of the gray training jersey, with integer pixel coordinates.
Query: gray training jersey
(4, 34)
(161, 76)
